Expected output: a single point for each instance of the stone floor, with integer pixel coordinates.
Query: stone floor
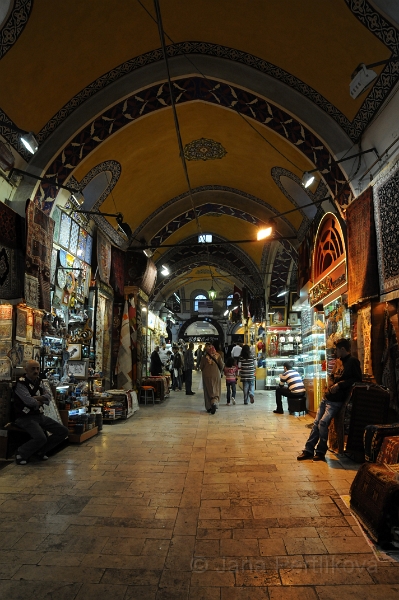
(178, 504)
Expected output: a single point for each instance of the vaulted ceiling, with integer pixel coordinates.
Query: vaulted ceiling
(266, 83)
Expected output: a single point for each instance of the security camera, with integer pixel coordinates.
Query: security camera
(362, 78)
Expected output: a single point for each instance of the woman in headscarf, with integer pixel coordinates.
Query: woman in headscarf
(211, 366)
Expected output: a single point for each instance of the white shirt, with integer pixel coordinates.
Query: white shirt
(235, 353)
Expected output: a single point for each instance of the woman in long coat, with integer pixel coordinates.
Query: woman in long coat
(211, 366)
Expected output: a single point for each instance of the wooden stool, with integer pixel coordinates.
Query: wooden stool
(149, 393)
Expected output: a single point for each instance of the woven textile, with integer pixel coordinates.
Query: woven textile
(386, 207)
(375, 499)
(374, 436)
(389, 453)
(390, 358)
(20, 331)
(37, 327)
(364, 339)
(117, 270)
(39, 244)
(124, 362)
(362, 249)
(11, 255)
(100, 316)
(103, 257)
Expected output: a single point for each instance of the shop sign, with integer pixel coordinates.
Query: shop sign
(326, 286)
(151, 320)
(200, 338)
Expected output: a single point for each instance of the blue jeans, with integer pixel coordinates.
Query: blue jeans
(231, 387)
(248, 387)
(319, 434)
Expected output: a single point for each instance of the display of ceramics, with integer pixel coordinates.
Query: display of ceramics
(77, 265)
(65, 229)
(89, 247)
(70, 282)
(73, 238)
(61, 278)
(81, 250)
(63, 260)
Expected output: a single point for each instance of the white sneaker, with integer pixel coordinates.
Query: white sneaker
(233, 400)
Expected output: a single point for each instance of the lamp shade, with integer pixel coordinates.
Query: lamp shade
(212, 293)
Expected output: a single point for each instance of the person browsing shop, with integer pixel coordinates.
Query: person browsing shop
(291, 386)
(334, 396)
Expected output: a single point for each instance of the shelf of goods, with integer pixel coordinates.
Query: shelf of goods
(81, 426)
(282, 345)
(314, 361)
(116, 404)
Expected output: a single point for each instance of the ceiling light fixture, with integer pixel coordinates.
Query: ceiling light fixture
(363, 76)
(264, 233)
(78, 198)
(27, 137)
(308, 178)
(148, 252)
(212, 293)
(282, 293)
(165, 270)
(226, 312)
(122, 226)
(30, 142)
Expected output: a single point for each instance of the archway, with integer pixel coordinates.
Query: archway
(215, 332)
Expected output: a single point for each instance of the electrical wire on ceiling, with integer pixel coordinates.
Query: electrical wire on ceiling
(207, 80)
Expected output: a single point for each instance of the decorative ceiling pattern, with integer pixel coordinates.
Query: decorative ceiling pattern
(205, 188)
(204, 149)
(15, 24)
(190, 89)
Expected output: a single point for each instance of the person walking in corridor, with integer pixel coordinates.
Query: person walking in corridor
(211, 366)
(188, 369)
(246, 368)
(230, 372)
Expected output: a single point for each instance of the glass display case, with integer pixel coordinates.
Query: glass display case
(282, 345)
(314, 358)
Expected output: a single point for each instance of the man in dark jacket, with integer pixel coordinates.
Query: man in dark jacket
(29, 398)
(177, 368)
(188, 369)
(332, 402)
(156, 363)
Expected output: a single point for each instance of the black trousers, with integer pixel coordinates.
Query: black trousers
(188, 380)
(281, 391)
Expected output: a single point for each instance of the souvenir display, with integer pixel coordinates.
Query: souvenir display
(63, 258)
(5, 312)
(5, 347)
(81, 250)
(89, 247)
(65, 229)
(56, 216)
(20, 332)
(73, 239)
(61, 278)
(5, 369)
(54, 259)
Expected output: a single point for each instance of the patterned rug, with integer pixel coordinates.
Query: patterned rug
(11, 255)
(118, 270)
(386, 208)
(103, 257)
(362, 249)
(39, 245)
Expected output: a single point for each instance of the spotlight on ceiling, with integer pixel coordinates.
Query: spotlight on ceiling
(307, 179)
(165, 270)
(282, 293)
(264, 233)
(124, 227)
(30, 142)
(78, 198)
(361, 79)
(148, 252)
(226, 312)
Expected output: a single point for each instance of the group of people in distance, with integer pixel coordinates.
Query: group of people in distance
(211, 361)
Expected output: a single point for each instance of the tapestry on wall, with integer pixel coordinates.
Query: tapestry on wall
(39, 244)
(12, 231)
(364, 339)
(362, 249)
(103, 257)
(124, 369)
(386, 207)
(390, 359)
(117, 271)
(100, 317)
(22, 323)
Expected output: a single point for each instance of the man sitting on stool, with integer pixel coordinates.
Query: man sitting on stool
(294, 389)
(332, 402)
(29, 398)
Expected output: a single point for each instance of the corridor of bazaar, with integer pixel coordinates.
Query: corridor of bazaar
(187, 188)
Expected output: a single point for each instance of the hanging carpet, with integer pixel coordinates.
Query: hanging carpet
(12, 231)
(39, 244)
(362, 249)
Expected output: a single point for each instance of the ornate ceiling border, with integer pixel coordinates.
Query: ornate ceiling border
(15, 24)
(115, 168)
(210, 188)
(156, 97)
